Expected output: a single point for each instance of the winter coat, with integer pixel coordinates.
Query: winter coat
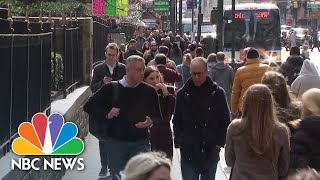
(101, 70)
(134, 104)
(176, 58)
(170, 76)
(160, 134)
(149, 55)
(247, 75)
(200, 126)
(308, 78)
(291, 68)
(223, 75)
(245, 165)
(305, 144)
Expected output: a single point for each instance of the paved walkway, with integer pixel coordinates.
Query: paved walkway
(92, 163)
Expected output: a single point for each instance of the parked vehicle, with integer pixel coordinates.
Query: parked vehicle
(300, 35)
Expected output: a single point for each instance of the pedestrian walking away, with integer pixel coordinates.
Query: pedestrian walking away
(257, 145)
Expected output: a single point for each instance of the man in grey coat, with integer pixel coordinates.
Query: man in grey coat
(223, 75)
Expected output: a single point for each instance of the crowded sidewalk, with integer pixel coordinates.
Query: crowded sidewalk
(92, 163)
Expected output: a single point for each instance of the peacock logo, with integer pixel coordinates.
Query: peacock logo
(47, 136)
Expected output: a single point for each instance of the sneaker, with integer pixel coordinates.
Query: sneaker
(103, 172)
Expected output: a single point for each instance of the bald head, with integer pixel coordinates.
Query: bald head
(198, 70)
(199, 61)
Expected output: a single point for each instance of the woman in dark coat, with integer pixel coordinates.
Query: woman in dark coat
(305, 140)
(161, 135)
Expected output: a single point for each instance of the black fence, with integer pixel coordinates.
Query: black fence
(29, 72)
(100, 38)
(66, 58)
(69, 39)
(25, 73)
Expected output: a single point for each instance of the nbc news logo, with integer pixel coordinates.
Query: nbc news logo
(47, 136)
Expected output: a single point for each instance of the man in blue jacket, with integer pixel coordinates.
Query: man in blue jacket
(200, 123)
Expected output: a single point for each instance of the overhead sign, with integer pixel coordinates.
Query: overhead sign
(191, 4)
(161, 5)
(313, 5)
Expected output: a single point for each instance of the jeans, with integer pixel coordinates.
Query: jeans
(207, 170)
(103, 154)
(121, 151)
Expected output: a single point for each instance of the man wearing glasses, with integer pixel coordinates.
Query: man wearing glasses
(103, 73)
(200, 123)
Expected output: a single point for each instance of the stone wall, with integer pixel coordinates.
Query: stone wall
(72, 109)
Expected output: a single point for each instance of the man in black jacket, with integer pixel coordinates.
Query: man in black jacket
(129, 118)
(200, 123)
(132, 49)
(291, 68)
(103, 73)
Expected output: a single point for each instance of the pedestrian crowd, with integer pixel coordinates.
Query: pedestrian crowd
(268, 121)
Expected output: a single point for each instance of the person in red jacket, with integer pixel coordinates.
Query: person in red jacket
(161, 134)
(170, 76)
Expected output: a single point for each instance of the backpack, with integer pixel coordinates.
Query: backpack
(98, 127)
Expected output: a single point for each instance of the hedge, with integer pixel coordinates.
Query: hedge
(55, 8)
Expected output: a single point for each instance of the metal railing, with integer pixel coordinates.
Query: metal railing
(100, 38)
(69, 41)
(26, 76)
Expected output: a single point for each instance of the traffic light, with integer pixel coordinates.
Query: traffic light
(295, 4)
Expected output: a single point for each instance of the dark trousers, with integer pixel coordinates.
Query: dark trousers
(103, 154)
(206, 170)
(121, 151)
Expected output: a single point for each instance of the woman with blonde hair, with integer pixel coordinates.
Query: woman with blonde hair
(147, 166)
(257, 145)
(305, 141)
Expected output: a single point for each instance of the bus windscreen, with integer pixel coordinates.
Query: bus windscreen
(253, 28)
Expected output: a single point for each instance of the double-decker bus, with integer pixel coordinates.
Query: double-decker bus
(256, 25)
